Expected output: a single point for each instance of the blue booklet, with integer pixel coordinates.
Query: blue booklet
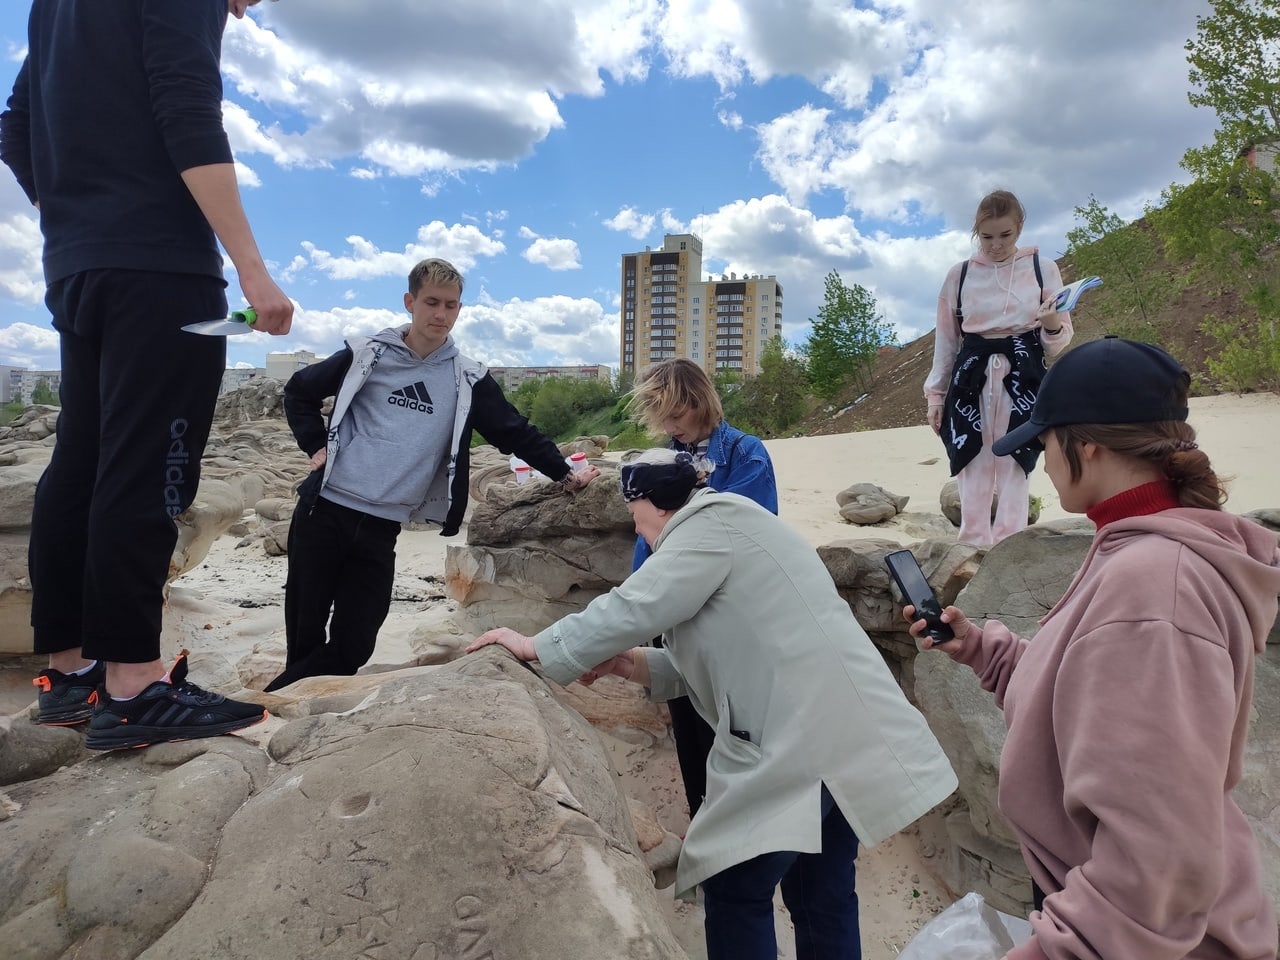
(1065, 299)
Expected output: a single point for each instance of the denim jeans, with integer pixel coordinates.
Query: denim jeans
(818, 889)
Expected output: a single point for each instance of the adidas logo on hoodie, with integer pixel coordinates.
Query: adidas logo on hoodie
(414, 397)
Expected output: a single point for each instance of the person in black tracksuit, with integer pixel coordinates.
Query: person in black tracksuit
(397, 448)
(114, 131)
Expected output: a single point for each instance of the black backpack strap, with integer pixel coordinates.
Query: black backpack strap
(958, 312)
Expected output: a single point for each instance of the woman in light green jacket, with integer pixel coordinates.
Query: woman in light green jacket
(816, 748)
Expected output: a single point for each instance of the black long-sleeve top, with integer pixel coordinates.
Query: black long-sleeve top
(113, 102)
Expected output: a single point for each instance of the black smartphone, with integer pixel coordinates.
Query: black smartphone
(916, 591)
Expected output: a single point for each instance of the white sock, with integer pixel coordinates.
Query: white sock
(83, 670)
(164, 679)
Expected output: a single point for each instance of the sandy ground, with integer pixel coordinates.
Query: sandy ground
(231, 606)
(1237, 431)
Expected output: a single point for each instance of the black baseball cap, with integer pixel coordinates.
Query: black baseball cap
(1104, 381)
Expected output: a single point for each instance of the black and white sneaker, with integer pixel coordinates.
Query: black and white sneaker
(67, 698)
(176, 710)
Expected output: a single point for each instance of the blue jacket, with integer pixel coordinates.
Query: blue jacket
(742, 467)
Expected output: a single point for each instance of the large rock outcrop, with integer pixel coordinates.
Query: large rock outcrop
(862, 579)
(868, 503)
(244, 462)
(100, 858)
(535, 553)
(262, 398)
(25, 447)
(15, 595)
(451, 812)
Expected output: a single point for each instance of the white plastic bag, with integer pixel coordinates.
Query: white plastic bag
(969, 929)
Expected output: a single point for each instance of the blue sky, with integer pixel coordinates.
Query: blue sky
(534, 142)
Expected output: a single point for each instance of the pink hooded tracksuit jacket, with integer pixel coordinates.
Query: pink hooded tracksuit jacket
(999, 300)
(1126, 721)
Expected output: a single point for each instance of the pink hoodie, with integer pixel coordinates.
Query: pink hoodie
(1127, 718)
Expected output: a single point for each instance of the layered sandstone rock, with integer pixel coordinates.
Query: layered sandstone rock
(460, 811)
(535, 553)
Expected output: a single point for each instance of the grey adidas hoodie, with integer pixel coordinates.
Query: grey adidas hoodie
(394, 439)
(446, 377)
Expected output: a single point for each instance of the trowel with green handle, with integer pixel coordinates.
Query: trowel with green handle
(240, 321)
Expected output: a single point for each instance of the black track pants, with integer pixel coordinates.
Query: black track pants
(137, 402)
(342, 563)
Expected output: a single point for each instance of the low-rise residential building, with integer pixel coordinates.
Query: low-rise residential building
(20, 383)
(282, 366)
(7, 384)
(510, 378)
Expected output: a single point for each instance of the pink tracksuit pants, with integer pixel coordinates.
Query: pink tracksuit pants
(987, 475)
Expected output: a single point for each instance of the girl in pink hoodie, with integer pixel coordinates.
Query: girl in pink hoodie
(995, 326)
(1127, 713)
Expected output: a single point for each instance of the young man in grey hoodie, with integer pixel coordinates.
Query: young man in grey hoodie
(397, 448)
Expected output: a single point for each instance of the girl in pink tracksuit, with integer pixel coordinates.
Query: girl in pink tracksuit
(995, 327)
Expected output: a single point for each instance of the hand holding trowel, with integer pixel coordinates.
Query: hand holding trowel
(239, 321)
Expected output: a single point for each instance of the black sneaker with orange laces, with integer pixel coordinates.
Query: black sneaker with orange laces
(166, 711)
(67, 698)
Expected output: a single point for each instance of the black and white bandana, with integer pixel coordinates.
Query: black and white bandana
(666, 485)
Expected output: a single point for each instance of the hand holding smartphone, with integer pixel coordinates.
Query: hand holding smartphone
(916, 591)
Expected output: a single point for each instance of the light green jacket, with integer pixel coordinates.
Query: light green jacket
(757, 637)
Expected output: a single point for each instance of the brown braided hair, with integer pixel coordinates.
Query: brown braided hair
(1169, 445)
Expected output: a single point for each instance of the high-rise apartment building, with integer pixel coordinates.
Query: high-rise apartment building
(669, 310)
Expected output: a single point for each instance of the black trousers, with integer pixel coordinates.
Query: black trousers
(137, 403)
(693, 737)
(341, 566)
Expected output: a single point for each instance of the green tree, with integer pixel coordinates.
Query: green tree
(11, 411)
(552, 410)
(43, 394)
(591, 395)
(1127, 257)
(846, 337)
(1235, 71)
(1226, 223)
(623, 381)
(522, 396)
(1248, 353)
(777, 396)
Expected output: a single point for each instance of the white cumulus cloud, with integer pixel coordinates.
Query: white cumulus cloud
(26, 345)
(630, 221)
(515, 332)
(554, 253)
(730, 119)
(461, 244)
(21, 246)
